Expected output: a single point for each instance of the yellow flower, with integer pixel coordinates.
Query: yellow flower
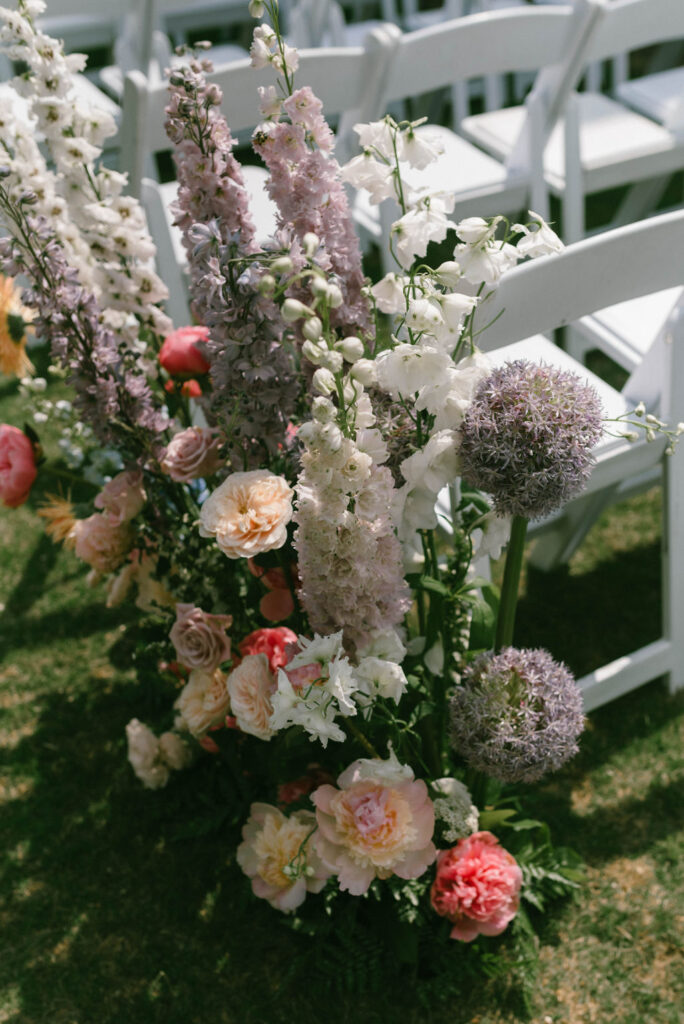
(59, 513)
(14, 324)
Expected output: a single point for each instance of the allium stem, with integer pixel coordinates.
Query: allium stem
(509, 589)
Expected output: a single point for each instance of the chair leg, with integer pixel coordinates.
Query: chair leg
(673, 564)
(577, 344)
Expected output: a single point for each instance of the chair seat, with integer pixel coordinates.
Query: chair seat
(627, 330)
(613, 142)
(262, 208)
(659, 96)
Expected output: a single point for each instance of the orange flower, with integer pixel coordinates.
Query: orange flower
(14, 324)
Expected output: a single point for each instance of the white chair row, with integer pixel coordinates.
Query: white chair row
(550, 293)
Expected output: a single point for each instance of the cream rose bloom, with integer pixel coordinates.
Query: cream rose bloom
(279, 857)
(250, 686)
(248, 514)
(203, 701)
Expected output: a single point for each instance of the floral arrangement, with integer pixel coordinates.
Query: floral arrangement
(267, 483)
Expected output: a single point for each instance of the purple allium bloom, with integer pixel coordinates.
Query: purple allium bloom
(516, 715)
(527, 437)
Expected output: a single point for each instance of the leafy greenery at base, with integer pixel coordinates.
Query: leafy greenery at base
(121, 904)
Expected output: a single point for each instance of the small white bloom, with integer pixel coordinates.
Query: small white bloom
(406, 369)
(540, 241)
(379, 678)
(379, 135)
(389, 293)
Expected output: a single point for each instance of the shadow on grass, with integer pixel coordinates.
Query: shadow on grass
(590, 619)
(116, 911)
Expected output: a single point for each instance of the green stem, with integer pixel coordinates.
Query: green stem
(511, 581)
(353, 728)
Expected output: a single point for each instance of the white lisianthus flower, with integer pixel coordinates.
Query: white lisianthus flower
(476, 230)
(379, 678)
(540, 241)
(389, 293)
(377, 135)
(419, 149)
(435, 465)
(364, 171)
(486, 263)
(454, 309)
(406, 369)
(449, 399)
(424, 223)
(423, 315)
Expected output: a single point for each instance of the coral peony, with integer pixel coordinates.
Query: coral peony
(199, 638)
(17, 466)
(250, 686)
(477, 887)
(179, 355)
(248, 514)
(278, 855)
(378, 823)
(122, 498)
(203, 701)
(270, 641)
(191, 454)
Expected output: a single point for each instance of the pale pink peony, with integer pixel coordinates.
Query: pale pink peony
(270, 641)
(278, 855)
(248, 513)
(100, 542)
(122, 498)
(378, 823)
(250, 686)
(203, 701)
(200, 638)
(17, 466)
(179, 354)
(191, 454)
(477, 886)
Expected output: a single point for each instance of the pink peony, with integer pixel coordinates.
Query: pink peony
(200, 638)
(179, 354)
(477, 887)
(123, 497)
(271, 642)
(101, 543)
(248, 513)
(378, 823)
(278, 854)
(17, 466)
(191, 454)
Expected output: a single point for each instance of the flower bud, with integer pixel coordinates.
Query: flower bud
(323, 410)
(365, 371)
(335, 298)
(314, 353)
(256, 8)
(267, 285)
(293, 309)
(323, 381)
(311, 241)
(332, 361)
(448, 273)
(283, 265)
(351, 348)
(312, 329)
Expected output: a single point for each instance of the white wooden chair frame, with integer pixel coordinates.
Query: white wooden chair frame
(552, 292)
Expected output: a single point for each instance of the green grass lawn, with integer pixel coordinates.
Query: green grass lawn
(122, 905)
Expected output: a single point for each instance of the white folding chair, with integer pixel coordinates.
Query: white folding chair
(600, 144)
(550, 39)
(549, 293)
(324, 23)
(347, 80)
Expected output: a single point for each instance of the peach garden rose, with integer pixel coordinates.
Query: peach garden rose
(203, 701)
(250, 686)
(378, 823)
(248, 513)
(278, 854)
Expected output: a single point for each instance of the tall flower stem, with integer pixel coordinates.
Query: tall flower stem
(509, 588)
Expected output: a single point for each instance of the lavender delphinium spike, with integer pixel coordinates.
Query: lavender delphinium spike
(305, 184)
(110, 392)
(250, 369)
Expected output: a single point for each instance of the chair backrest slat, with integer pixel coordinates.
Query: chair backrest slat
(634, 24)
(597, 272)
(520, 39)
